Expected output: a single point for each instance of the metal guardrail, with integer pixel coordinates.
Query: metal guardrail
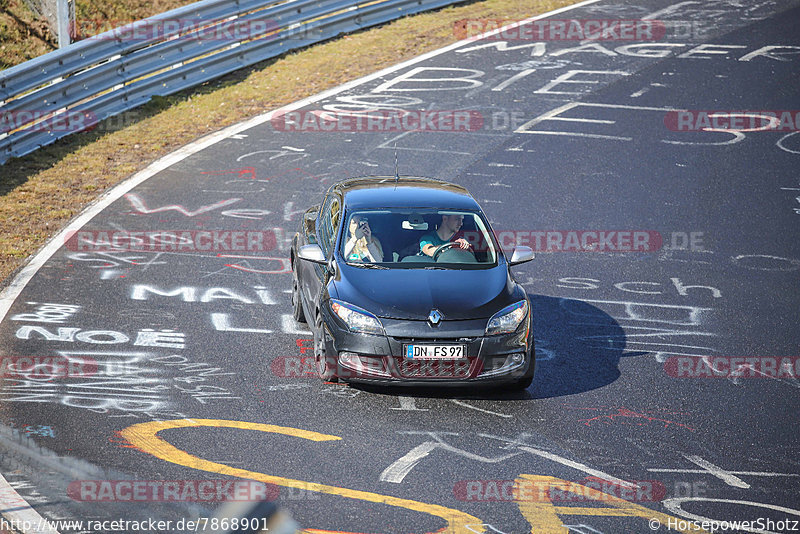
(73, 88)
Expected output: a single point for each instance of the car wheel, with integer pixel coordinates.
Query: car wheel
(326, 364)
(297, 305)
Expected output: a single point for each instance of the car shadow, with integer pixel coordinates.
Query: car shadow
(578, 349)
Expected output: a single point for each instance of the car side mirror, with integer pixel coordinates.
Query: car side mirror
(521, 255)
(312, 253)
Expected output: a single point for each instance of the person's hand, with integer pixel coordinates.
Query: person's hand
(359, 233)
(463, 243)
(367, 232)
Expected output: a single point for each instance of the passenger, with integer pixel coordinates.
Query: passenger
(449, 227)
(362, 245)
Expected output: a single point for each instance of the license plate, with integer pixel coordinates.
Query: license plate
(435, 352)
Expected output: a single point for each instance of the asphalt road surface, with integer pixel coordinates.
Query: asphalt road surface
(185, 364)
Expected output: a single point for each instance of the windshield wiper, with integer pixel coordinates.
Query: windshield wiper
(368, 266)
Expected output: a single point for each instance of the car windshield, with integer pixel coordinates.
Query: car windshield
(395, 238)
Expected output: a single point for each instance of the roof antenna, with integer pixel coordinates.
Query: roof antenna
(396, 165)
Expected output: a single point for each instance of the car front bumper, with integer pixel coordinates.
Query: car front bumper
(379, 359)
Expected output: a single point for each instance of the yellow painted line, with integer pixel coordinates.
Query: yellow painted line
(243, 425)
(543, 516)
(144, 436)
(591, 510)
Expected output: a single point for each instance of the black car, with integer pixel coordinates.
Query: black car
(402, 281)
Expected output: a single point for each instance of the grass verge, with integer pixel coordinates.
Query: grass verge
(41, 192)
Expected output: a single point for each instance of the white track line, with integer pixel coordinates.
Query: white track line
(579, 466)
(9, 498)
(471, 407)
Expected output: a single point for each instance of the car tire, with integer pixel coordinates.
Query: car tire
(326, 363)
(297, 304)
(522, 384)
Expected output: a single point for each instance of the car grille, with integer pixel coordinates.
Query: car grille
(433, 368)
(411, 340)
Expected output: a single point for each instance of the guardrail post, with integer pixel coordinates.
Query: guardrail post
(62, 11)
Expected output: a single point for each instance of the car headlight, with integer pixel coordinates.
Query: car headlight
(508, 319)
(356, 319)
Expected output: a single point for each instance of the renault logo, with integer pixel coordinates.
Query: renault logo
(434, 317)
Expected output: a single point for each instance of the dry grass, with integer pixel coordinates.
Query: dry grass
(24, 37)
(41, 192)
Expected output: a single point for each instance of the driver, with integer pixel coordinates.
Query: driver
(448, 228)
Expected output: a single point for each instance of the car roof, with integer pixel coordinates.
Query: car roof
(404, 192)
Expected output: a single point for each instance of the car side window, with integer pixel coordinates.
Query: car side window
(324, 214)
(328, 221)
